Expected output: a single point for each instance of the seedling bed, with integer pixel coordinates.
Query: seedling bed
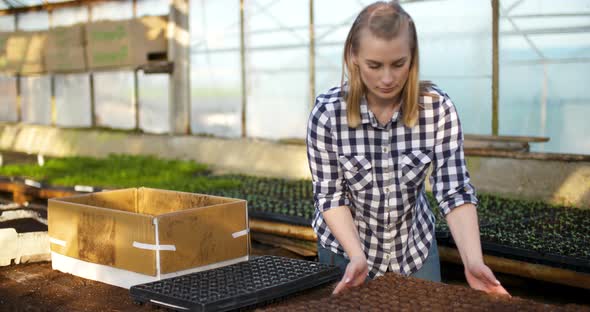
(236, 286)
(532, 256)
(395, 292)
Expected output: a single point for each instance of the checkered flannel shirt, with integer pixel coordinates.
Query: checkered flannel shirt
(378, 171)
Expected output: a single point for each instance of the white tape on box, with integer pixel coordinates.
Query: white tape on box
(240, 233)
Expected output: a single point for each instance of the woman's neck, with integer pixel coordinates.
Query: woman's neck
(383, 109)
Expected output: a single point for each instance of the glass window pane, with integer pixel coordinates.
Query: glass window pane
(113, 98)
(154, 102)
(72, 91)
(152, 7)
(69, 16)
(36, 99)
(8, 98)
(278, 93)
(33, 21)
(277, 70)
(113, 90)
(7, 23)
(117, 10)
(72, 100)
(216, 89)
(543, 75)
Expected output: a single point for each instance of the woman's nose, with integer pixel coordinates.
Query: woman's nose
(387, 78)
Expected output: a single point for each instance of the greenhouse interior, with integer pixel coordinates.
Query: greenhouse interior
(294, 155)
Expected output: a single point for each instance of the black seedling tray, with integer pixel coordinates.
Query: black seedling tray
(277, 217)
(235, 286)
(550, 259)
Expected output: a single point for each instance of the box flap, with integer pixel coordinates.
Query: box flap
(157, 202)
(204, 236)
(102, 236)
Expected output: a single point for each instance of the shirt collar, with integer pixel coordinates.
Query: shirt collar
(367, 116)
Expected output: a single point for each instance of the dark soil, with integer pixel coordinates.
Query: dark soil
(36, 287)
(395, 292)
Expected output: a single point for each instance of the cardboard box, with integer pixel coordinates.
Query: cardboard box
(125, 43)
(66, 37)
(24, 52)
(150, 35)
(109, 44)
(65, 49)
(72, 59)
(132, 236)
(4, 65)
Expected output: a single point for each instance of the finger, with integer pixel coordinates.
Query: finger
(499, 290)
(489, 278)
(360, 278)
(343, 284)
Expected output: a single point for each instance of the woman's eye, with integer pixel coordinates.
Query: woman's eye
(399, 64)
(373, 66)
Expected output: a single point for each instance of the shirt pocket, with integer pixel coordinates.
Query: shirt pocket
(358, 172)
(413, 167)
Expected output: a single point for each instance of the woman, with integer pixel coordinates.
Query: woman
(370, 142)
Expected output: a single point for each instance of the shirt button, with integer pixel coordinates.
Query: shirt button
(386, 190)
(385, 150)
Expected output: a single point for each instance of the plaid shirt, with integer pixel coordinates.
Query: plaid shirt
(378, 171)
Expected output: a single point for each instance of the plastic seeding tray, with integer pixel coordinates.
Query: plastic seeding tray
(277, 217)
(550, 259)
(235, 286)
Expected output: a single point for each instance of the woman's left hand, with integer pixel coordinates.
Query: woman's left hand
(480, 277)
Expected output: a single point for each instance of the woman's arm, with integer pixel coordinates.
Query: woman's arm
(463, 224)
(456, 197)
(329, 194)
(341, 225)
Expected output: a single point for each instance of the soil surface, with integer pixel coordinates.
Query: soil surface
(37, 287)
(398, 293)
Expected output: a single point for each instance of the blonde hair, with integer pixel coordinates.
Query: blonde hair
(385, 20)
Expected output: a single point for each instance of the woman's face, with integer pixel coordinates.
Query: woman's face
(384, 65)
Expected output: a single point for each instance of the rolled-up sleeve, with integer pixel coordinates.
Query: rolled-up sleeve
(322, 154)
(450, 179)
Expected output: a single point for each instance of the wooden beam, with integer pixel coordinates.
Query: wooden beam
(526, 155)
(179, 53)
(524, 269)
(312, 68)
(243, 69)
(283, 229)
(506, 138)
(495, 65)
(47, 6)
(300, 247)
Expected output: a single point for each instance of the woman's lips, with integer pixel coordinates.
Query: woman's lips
(386, 90)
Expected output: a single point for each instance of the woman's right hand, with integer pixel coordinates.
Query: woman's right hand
(355, 275)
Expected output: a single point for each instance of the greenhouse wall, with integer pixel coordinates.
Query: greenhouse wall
(556, 181)
(264, 88)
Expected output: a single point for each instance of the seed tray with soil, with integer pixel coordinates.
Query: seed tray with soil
(395, 292)
(531, 231)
